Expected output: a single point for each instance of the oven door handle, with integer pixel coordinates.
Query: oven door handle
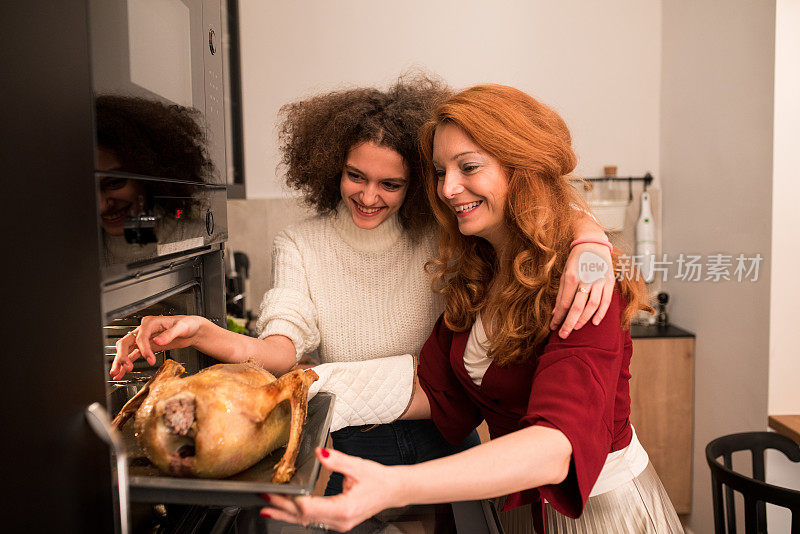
(101, 424)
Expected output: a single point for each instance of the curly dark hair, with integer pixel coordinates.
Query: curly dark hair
(316, 134)
(155, 139)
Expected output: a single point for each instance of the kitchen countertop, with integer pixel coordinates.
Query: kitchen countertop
(652, 331)
(788, 425)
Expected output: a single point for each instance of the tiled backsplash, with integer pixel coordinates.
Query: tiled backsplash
(252, 226)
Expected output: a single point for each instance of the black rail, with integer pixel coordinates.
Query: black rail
(647, 179)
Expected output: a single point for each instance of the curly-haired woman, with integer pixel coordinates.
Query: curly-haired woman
(350, 282)
(557, 408)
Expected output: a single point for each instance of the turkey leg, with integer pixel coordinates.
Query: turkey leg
(293, 387)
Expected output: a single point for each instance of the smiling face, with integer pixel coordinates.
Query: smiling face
(472, 183)
(118, 197)
(374, 183)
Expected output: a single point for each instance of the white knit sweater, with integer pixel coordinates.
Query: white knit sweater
(354, 294)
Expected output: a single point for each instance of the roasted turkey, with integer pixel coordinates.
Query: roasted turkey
(221, 420)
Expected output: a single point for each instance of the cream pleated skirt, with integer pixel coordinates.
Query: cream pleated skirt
(640, 506)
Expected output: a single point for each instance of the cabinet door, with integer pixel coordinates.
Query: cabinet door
(662, 386)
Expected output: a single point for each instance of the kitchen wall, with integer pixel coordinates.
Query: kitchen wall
(784, 395)
(716, 165)
(598, 64)
(784, 354)
(252, 226)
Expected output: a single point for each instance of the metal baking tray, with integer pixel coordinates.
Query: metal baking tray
(149, 484)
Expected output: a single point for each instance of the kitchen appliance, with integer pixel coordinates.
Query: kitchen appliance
(165, 50)
(70, 291)
(646, 238)
(104, 240)
(160, 158)
(662, 319)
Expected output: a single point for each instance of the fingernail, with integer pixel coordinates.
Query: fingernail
(324, 453)
(264, 513)
(265, 496)
(562, 334)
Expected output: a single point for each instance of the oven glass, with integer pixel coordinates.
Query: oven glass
(158, 64)
(160, 162)
(120, 391)
(142, 220)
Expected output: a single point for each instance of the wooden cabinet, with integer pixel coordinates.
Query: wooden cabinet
(662, 406)
(788, 425)
(662, 388)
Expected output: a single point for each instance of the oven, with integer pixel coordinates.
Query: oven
(159, 171)
(161, 200)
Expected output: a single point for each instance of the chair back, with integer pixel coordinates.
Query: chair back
(755, 490)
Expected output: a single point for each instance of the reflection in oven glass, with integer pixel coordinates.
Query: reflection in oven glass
(148, 138)
(120, 391)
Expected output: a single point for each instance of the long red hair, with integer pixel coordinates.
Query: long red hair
(533, 145)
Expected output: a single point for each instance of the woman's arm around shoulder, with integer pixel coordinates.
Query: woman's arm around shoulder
(580, 298)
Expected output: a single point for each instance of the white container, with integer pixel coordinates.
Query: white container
(610, 213)
(646, 238)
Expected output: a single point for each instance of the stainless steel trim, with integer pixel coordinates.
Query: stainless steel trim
(117, 275)
(145, 177)
(126, 298)
(98, 419)
(214, 288)
(156, 270)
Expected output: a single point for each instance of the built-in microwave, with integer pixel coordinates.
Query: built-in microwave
(158, 71)
(166, 50)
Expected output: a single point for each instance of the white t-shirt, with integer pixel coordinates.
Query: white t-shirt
(620, 466)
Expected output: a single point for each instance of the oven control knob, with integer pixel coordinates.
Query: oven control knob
(209, 222)
(141, 229)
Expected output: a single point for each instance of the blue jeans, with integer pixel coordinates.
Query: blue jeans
(398, 443)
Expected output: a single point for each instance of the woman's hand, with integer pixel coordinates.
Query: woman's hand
(574, 307)
(162, 332)
(368, 489)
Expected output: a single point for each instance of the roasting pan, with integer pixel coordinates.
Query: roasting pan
(149, 484)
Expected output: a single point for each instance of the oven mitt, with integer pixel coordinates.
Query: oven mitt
(368, 392)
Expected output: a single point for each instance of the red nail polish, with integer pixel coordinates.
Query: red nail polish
(265, 496)
(325, 453)
(264, 513)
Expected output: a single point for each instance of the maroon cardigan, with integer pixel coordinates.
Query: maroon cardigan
(577, 385)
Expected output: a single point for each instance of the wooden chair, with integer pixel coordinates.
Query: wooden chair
(755, 490)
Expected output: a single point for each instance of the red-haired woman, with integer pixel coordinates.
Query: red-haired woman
(557, 409)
